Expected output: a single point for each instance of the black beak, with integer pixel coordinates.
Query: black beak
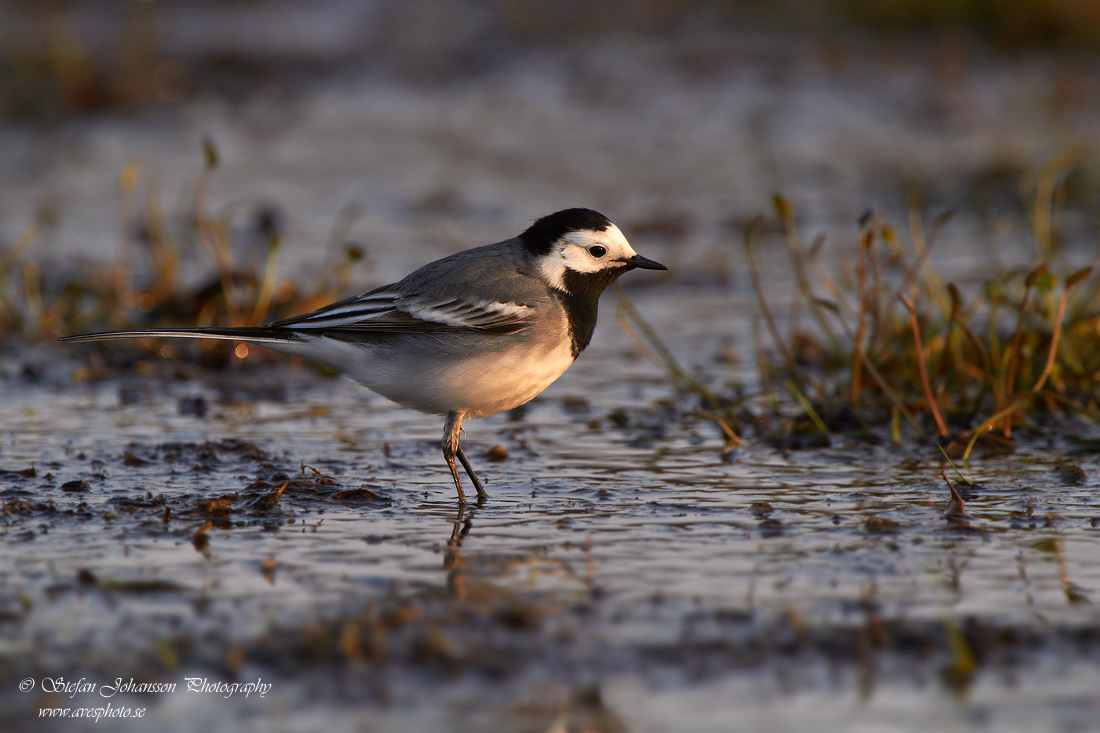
(643, 263)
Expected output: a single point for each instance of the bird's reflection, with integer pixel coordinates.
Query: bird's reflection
(461, 527)
(482, 578)
(536, 574)
(453, 561)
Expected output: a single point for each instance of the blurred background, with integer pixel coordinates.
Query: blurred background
(410, 129)
(190, 162)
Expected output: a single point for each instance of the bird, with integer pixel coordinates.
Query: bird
(472, 334)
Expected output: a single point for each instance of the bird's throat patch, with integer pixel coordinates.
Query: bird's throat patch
(580, 297)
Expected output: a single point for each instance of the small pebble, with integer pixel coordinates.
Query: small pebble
(1070, 474)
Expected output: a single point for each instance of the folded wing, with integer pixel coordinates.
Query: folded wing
(389, 310)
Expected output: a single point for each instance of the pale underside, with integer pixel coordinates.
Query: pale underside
(475, 374)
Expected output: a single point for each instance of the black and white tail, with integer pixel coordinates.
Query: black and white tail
(253, 335)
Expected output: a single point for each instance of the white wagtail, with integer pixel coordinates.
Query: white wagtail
(469, 335)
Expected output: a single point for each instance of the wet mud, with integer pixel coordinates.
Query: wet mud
(242, 519)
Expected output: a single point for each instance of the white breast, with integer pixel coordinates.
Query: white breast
(486, 388)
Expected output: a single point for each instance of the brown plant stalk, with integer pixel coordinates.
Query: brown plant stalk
(931, 399)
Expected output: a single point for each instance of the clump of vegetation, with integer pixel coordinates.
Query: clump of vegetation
(54, 67)
(905, 343)
(892, 345)
(191, 275)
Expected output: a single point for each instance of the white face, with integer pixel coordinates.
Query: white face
(586, 251)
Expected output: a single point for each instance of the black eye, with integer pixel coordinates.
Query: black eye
(597, 251)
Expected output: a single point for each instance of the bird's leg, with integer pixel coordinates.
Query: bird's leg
(481, 495)
(452, 430)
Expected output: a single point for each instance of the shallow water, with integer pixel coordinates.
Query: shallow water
(625, 574)
(621, 569)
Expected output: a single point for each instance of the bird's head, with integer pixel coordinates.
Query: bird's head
(581, 249)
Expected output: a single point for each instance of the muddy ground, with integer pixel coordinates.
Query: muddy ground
(268, 522)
